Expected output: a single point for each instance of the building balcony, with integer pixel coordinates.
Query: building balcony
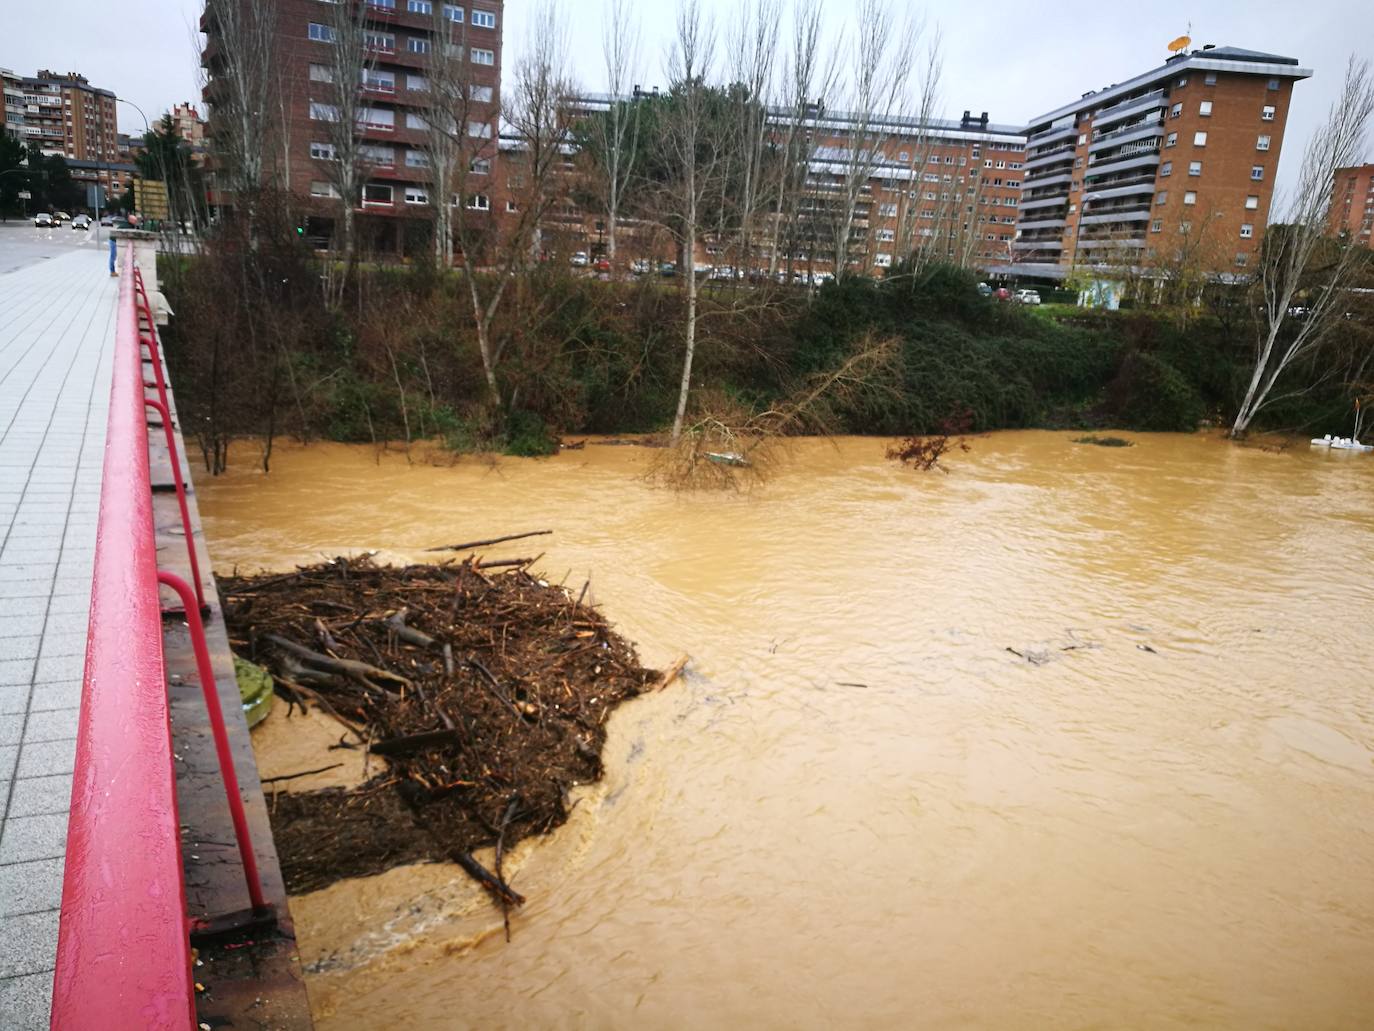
(1107, 242)
(1063, 132)
(1053, 157)
(1038, 245)
(1112, 165)
(1141, 185)
(1095, 218)
(1055, 178)
(1041, 223)
(1128, 108)
(1054, 201)
(1129, 134)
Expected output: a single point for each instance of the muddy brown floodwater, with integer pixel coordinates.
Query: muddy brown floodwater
(861, 809)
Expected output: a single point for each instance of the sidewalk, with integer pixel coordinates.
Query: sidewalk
(56, 343)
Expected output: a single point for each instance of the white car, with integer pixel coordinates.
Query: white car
(42, 220)
(580, 260)
(1027, 296)
(81, 222)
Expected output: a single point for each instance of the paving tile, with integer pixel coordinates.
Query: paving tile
(44, 758)
(11, 730)
(24, 623)
(64, 695)
(50, 725)
(30, 887)
(29, 944)
(35, 796)
(14, 698)
(59, 667)
(16, 671)
(26, 647)
(22, 605)
(56, 644)
(26, 1001)
(26, 838)
(9, 755)
(70, 603)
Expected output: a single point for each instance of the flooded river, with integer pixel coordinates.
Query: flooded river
(864, 808)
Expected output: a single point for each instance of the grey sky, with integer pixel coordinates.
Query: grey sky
(1012, 60)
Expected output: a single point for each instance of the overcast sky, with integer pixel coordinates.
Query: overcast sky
(1012, 60)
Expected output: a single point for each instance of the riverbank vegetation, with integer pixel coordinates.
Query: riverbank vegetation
(255, 350)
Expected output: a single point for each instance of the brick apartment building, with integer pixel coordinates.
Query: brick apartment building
(65, 115)
(1186, 150)
(951, 186)
(1352, 204)
(394, 209)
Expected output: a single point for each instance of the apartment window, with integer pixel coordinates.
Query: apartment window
(1267, 113)
(416, 45)
(1190, 198)
(453, 13)
(949, 159)
(904, 156)
(1082, 138)
(479, 130)
(1205, 109)
(319, 73)
(1257, 173)
(417, 84)
(384, 41)
(479, 202)
(481, 94)
(1185, 228)
(1273, 84)
(417, 195)
(1211, 79)
(480, 56)
(382, 156)
(482, 166)
(377, 193)
(1157, 225)
(1199, 139)
(417, 159)
(321, 33)
(1242, 259)
(1262, 143)
(1167, 168)
(414, 121)
(1247, 230)
(1162, 197)
(987, 162)
(1001, 164)
(322, 151)
(1176, 110)
(389, 5)
(1171, 139)
(1194, 167)
(324, 112)
(322, 189)
(383, 82)
(419, 6)
(1252, 203)
(483, 20)
(888, 210)
(1182, 81)
(377, 118)
(882, 260)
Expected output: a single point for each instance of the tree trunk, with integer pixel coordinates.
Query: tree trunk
(691, 336)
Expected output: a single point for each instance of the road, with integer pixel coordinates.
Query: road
(21, 244)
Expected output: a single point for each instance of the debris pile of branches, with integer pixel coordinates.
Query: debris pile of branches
(485, 690)
(924, 452)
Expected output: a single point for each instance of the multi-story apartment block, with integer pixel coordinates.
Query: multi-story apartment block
(1352, 204)
(1179, 158)
(401, 38)
(65, 115)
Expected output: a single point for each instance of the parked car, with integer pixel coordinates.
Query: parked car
(42, 220)
(984, 290)
(580, 260)
(81, 222)
(58, 217)
(640, 267)
(667, 269)
(602, 264)
(107, 220)
(1027, 296)
(1299, 311)
(1002, 294)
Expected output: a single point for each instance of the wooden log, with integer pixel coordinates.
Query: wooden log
(361, 671)
(499, 889)
(415, 742)
(396, 623)
(671, 673)
(469, 545)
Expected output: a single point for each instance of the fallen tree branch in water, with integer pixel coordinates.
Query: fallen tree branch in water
(469, 545)
(499, 889)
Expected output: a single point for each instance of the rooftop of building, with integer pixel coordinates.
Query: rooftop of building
(1207, 58)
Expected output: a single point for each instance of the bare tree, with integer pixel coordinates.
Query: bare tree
(881, 62)
(350, 62)
(753, 54)
(615, 137)
(244, 38)
(692, 154)
(449, 151)
(538, 114)
(1298, 254)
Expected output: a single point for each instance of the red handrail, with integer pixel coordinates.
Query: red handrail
(123, 949)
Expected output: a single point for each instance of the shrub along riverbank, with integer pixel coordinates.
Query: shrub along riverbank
(255, 350)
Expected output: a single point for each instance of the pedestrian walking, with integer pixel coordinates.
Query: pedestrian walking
(112, 255)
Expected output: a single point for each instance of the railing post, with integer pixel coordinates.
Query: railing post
(221, 736)
(161, 409)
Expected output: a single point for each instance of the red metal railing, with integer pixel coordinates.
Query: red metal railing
(123, 953)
